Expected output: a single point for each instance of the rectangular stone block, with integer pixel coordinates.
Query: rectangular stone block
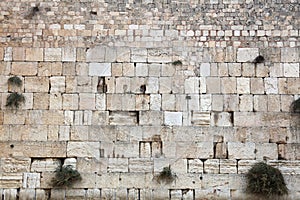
(138, 55)
(34, 149)
(96, 54)
(143, 165)
(117, 165)
(173, 118)
(290, 54)
(83, 149)
(31, 180)
(100, 69)
(237, 150)
(44, 165)
(200, 118)
(52, 54)
(228, 166)
(32, 82)
(69, 54)
(34, 54)
(123, 118)
(212, 166)
(247, 54)
(24, 68)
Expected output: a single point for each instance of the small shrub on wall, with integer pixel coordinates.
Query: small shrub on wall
(14, 100)
(265, 180)
(65, 176)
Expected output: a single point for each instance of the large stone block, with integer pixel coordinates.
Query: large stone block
(237, 150)
(24, 68)
(290, 54)
(173, 118)
(247, 54)
(53, 54)
(100, 69)
(44, 165)
(32, 82)
(83, 149)
(96, 54)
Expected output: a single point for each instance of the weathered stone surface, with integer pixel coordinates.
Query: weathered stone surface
(44, 165)
(241, 150)
(247, 54)
(100, 69)
(83, 149)
(24, 68)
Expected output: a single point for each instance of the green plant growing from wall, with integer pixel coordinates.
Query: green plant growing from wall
(265, 180)
(166, 175)
(177, 63)
(14, 100)
(14, 81)
(295, 106)
(65, 176)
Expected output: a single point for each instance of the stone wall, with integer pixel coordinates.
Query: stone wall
(121, 89)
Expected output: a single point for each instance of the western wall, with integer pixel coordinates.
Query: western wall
(121, 89)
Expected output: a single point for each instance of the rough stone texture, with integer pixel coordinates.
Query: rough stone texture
(120, 90)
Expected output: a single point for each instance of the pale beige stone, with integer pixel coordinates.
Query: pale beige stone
(34, 54)
(44, 165)
(228, 85)
(18, 54)
(32, 82)
(70, 101)
(86, 101)
(117, 165)
(83, 149)
(53, 54)
(41, 101)
(24, 68)
(241, 150)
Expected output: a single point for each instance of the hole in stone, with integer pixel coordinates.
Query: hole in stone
(93, 13)
(143, 89)
(12, 146)
(259, 59)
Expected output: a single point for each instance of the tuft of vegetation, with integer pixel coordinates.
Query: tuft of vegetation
(259, 59)
(265, 180)
(166, 175)
(15, 81)
(14, 100)
(65, 176)
(177, 63)
(295, 106)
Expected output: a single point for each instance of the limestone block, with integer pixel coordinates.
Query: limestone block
(244, 165)
(203, 150)
(10, 182)
(143, 165)
(152, 85)
(253, 134)
(110, 54)
(286, 167)
(83, 149)
(246, 103)
(138, 55)
(167, 69)
(200, 118)
(260, 103)
(24, 68)
(159, 55)
(69, 54)
(34, 54)
(44, 165)
(266, 151)
(86, 101)
(205, 69)
(151, 118)
(257, 86)
(128, 69)
(52, 54)
(173, 118)
(93, 193)
(221, 150)
(217, 103)
(96, 54)
(55, 102)
(14, 118)
(126, 149)
(141, 69)
(274, 103)
(160, 194)
(243, 85)
(14, 166)
(205, 102)
(289, 54)
(75, 194)
(123, 118)
(41, 101)
(155, 102)
(8, 54)
(292, 151)
(213, 85)
(64, 133)
(212, 166)
(247, 54)
(176, 194)
(192, 85)
(45, 117)
(228, 166)
(100, 69)
(262, 70)
(234, 69)
(145, 149)
(291, 69)
(182, 102)
(58, 193)
(168, 102)
(228, 85)
(123, 54)
(1, 53)
(9, 194)
(221, 119)
(28, 193)
(165, 85)
(49, 68)
(142, 102)
(248, 70)
(32, 82)
(271, 85)
(215, 181)
(18, 54)
(31, 180)
(57, 84)
(117, 165)
(70, 101)
(239, 150)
